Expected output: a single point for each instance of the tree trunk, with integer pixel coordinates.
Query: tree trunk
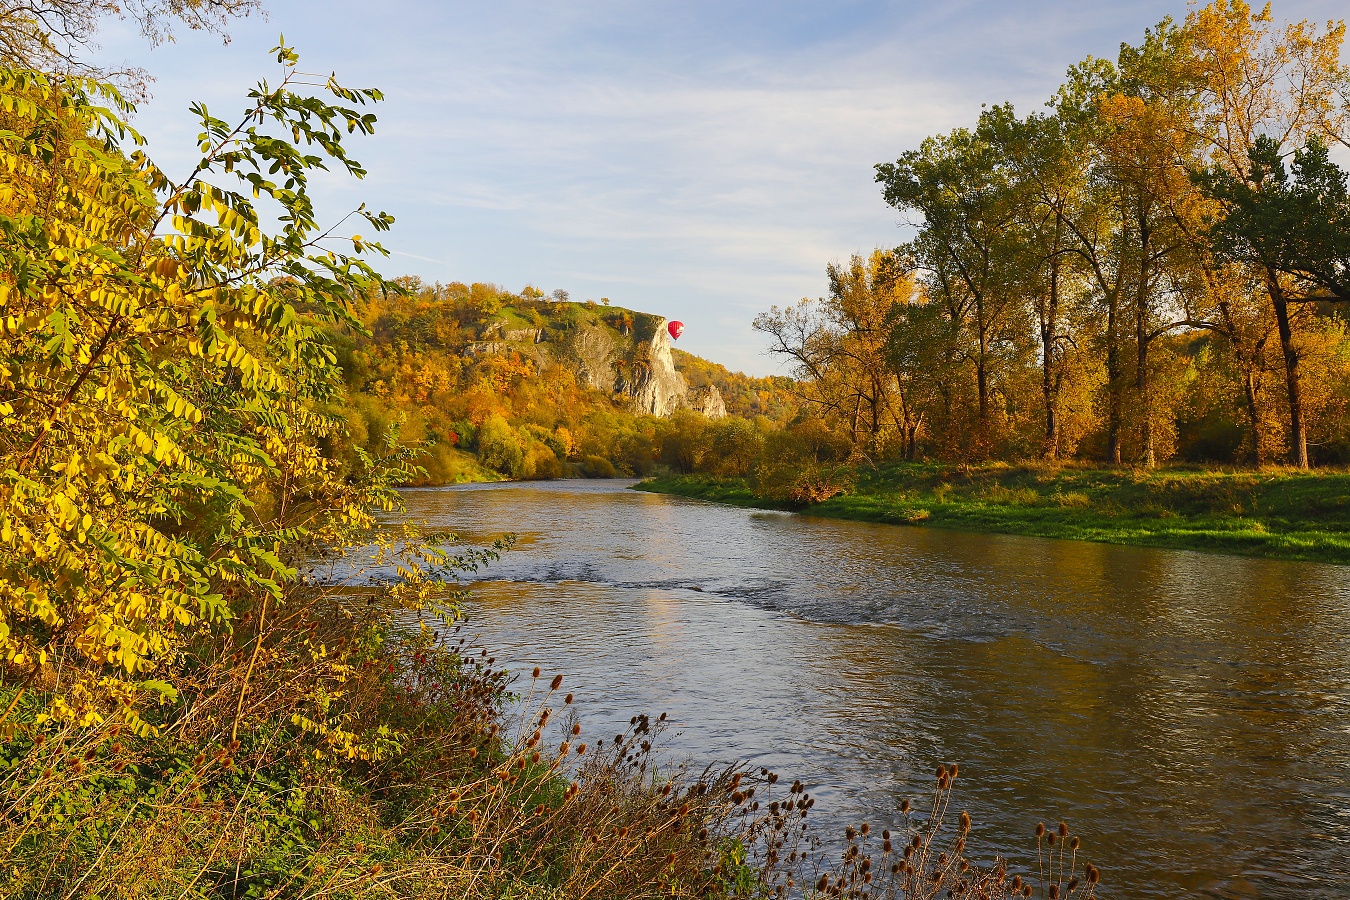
(1147, 454)
(1253, 416)
(1298, 436)
(982, 388)
(1113, 381)
(1142, 340)
(1249, 360)
(1049, 327)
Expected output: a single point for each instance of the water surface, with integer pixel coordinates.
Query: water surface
(1188, 714)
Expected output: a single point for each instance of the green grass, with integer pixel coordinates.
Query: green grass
(1284, 515)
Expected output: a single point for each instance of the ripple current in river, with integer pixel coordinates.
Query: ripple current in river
(1188, 714)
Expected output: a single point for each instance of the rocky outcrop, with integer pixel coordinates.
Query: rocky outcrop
(592, 353)
(485, 348)
(656, 388)
(709, 401)
(636, 366)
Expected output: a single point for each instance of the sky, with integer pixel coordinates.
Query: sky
(699, 160)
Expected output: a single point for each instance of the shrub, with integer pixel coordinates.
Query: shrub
(541, 463)
(733, 448)
(598, 467)
(499, 447)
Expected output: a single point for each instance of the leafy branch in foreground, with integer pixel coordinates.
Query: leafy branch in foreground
(161, 382)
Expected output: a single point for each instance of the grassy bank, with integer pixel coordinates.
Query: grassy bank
(1285, 515)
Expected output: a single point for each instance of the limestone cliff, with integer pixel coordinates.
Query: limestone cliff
(709, 401)
(656, 388)
(620, 352)
(591, 352)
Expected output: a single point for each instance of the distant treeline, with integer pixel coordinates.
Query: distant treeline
(1156, 267)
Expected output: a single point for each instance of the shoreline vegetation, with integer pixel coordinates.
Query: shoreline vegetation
(1278, 515)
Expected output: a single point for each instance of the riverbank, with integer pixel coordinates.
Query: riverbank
(1281, 515)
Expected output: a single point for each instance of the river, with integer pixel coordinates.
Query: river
(1188, 714)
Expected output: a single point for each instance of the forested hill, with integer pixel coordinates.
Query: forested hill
(521, 385)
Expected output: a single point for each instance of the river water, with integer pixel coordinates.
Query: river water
(1188, 714)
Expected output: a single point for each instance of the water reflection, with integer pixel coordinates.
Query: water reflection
(1189, 714)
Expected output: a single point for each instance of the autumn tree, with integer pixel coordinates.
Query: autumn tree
(1280, 87)
(961, 190)
(1134, 116)
(55, 36)
(1049, 163)
(837, 344)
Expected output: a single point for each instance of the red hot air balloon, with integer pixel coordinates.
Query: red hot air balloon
(676, 329)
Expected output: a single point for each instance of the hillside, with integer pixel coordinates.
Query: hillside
(503, 385)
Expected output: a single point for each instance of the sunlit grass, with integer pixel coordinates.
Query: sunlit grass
(1281, 514)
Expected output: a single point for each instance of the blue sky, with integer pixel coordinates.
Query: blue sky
(701, 160)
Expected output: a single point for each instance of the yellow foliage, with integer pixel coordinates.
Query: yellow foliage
(159, 453)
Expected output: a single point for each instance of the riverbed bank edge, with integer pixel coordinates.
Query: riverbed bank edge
(1291, 516)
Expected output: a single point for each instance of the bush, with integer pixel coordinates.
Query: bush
(734, 447)
(789, 472)
(541, 463)
(598, 467)
(499, 447)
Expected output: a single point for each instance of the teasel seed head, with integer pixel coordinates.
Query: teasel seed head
(1063, 829)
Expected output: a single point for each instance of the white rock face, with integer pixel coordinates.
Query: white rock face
(657, 388)
(709, 401)
(592, 352)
